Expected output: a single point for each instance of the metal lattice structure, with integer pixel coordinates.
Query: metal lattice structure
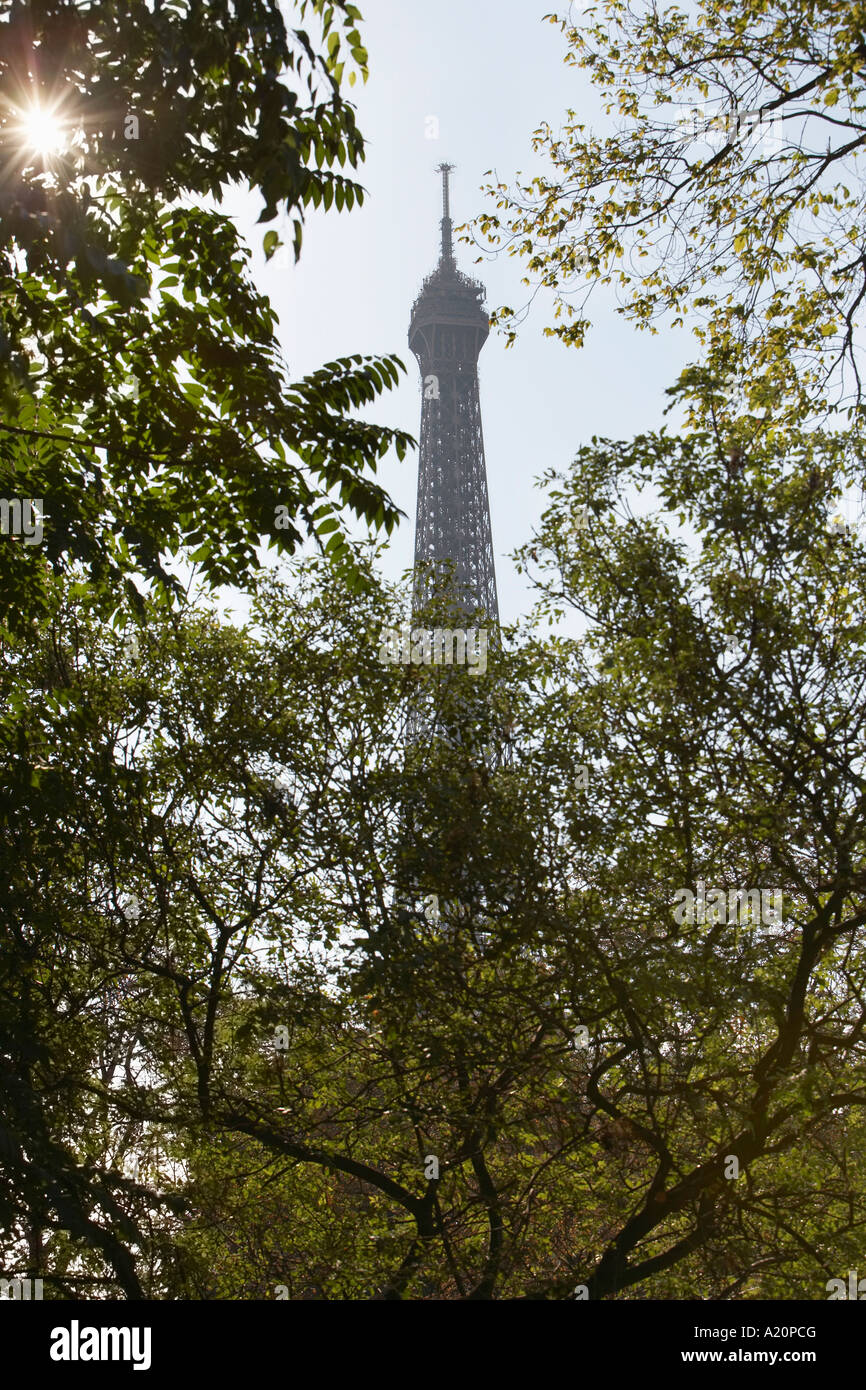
(447, 331)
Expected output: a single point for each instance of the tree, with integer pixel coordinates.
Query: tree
(145, 403)
(719, 688)
(729, 190)
(214, 829)
(386, 1017)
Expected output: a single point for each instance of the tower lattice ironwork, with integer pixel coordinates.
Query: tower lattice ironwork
(454, 563)
(447, 331)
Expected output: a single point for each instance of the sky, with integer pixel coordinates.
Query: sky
(488, 72)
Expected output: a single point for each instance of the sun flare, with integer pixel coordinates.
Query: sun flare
(43, 131)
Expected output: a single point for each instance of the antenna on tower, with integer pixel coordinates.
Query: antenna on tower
(447, 244)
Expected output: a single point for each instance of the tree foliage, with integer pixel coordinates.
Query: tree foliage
(144, 398)
(728, 190)
(301, 999)
(284, 963)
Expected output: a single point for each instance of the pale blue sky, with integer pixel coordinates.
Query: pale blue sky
(490, 71)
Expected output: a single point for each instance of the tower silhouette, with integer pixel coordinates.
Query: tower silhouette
(454, 567)
(447, 331)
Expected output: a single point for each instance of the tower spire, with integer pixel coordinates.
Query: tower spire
(447, 253)
(447, 331)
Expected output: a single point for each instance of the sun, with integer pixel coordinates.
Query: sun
(43, 130)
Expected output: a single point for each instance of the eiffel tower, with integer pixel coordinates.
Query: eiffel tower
(454, 573)
(447, 331)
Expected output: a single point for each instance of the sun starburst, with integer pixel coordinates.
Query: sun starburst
(42, 130)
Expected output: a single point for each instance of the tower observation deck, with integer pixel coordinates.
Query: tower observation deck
(447, 331)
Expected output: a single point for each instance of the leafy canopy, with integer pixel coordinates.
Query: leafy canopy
(727, 190)
(144, 398)
(235, 1025)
